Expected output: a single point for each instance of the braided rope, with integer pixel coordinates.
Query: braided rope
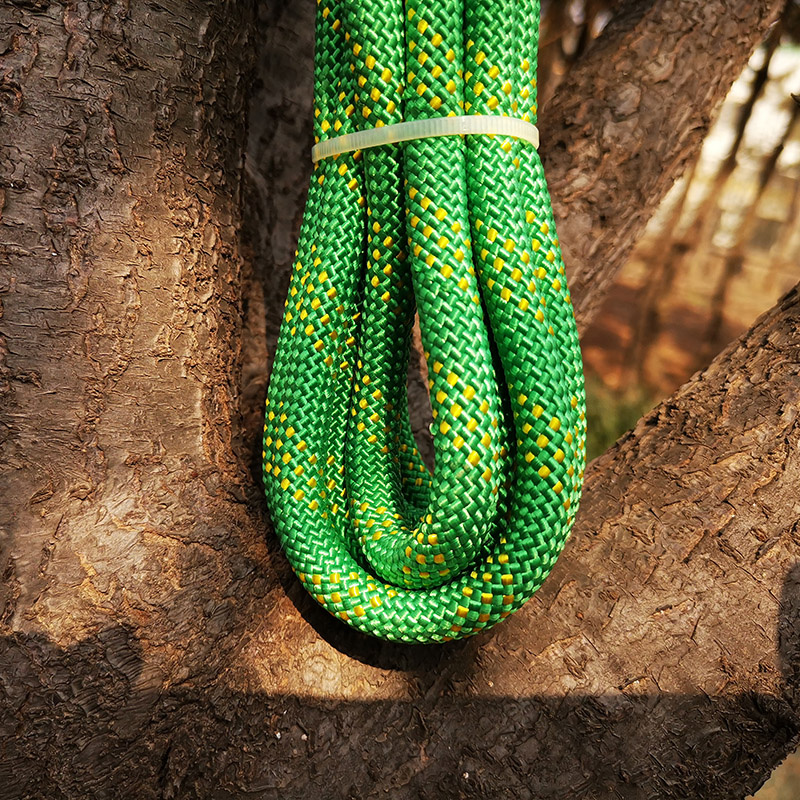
(460, 229)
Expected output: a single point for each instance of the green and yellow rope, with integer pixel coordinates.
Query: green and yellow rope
(460, 228)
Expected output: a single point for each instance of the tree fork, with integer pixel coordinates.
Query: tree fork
(153, 640)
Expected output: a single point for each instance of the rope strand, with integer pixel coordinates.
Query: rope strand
(460, 228)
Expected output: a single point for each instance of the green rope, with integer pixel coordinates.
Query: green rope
(460, 228)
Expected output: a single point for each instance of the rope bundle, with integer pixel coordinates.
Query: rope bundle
(461, 229)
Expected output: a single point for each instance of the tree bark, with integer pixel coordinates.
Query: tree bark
(154, 642)
(625, 124)
(123, 485)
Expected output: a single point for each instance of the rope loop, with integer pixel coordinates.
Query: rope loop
(456, 226)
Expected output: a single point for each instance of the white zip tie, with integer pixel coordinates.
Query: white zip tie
(424, 129)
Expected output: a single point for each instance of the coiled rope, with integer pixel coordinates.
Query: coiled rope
(460, 228)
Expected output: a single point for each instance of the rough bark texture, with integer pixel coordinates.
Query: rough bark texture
(154, 643)
(123, 491)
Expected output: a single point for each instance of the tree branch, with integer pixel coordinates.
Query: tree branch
(631, 114)
(628, 119)
(660, 659)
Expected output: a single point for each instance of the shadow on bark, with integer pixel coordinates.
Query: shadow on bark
(91, 721)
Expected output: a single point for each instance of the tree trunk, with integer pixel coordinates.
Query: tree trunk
(154, 642)
(126, 508)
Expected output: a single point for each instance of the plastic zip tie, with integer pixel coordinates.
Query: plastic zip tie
(425, 129)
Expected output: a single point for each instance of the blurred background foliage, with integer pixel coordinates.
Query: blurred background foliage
(721, 250)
